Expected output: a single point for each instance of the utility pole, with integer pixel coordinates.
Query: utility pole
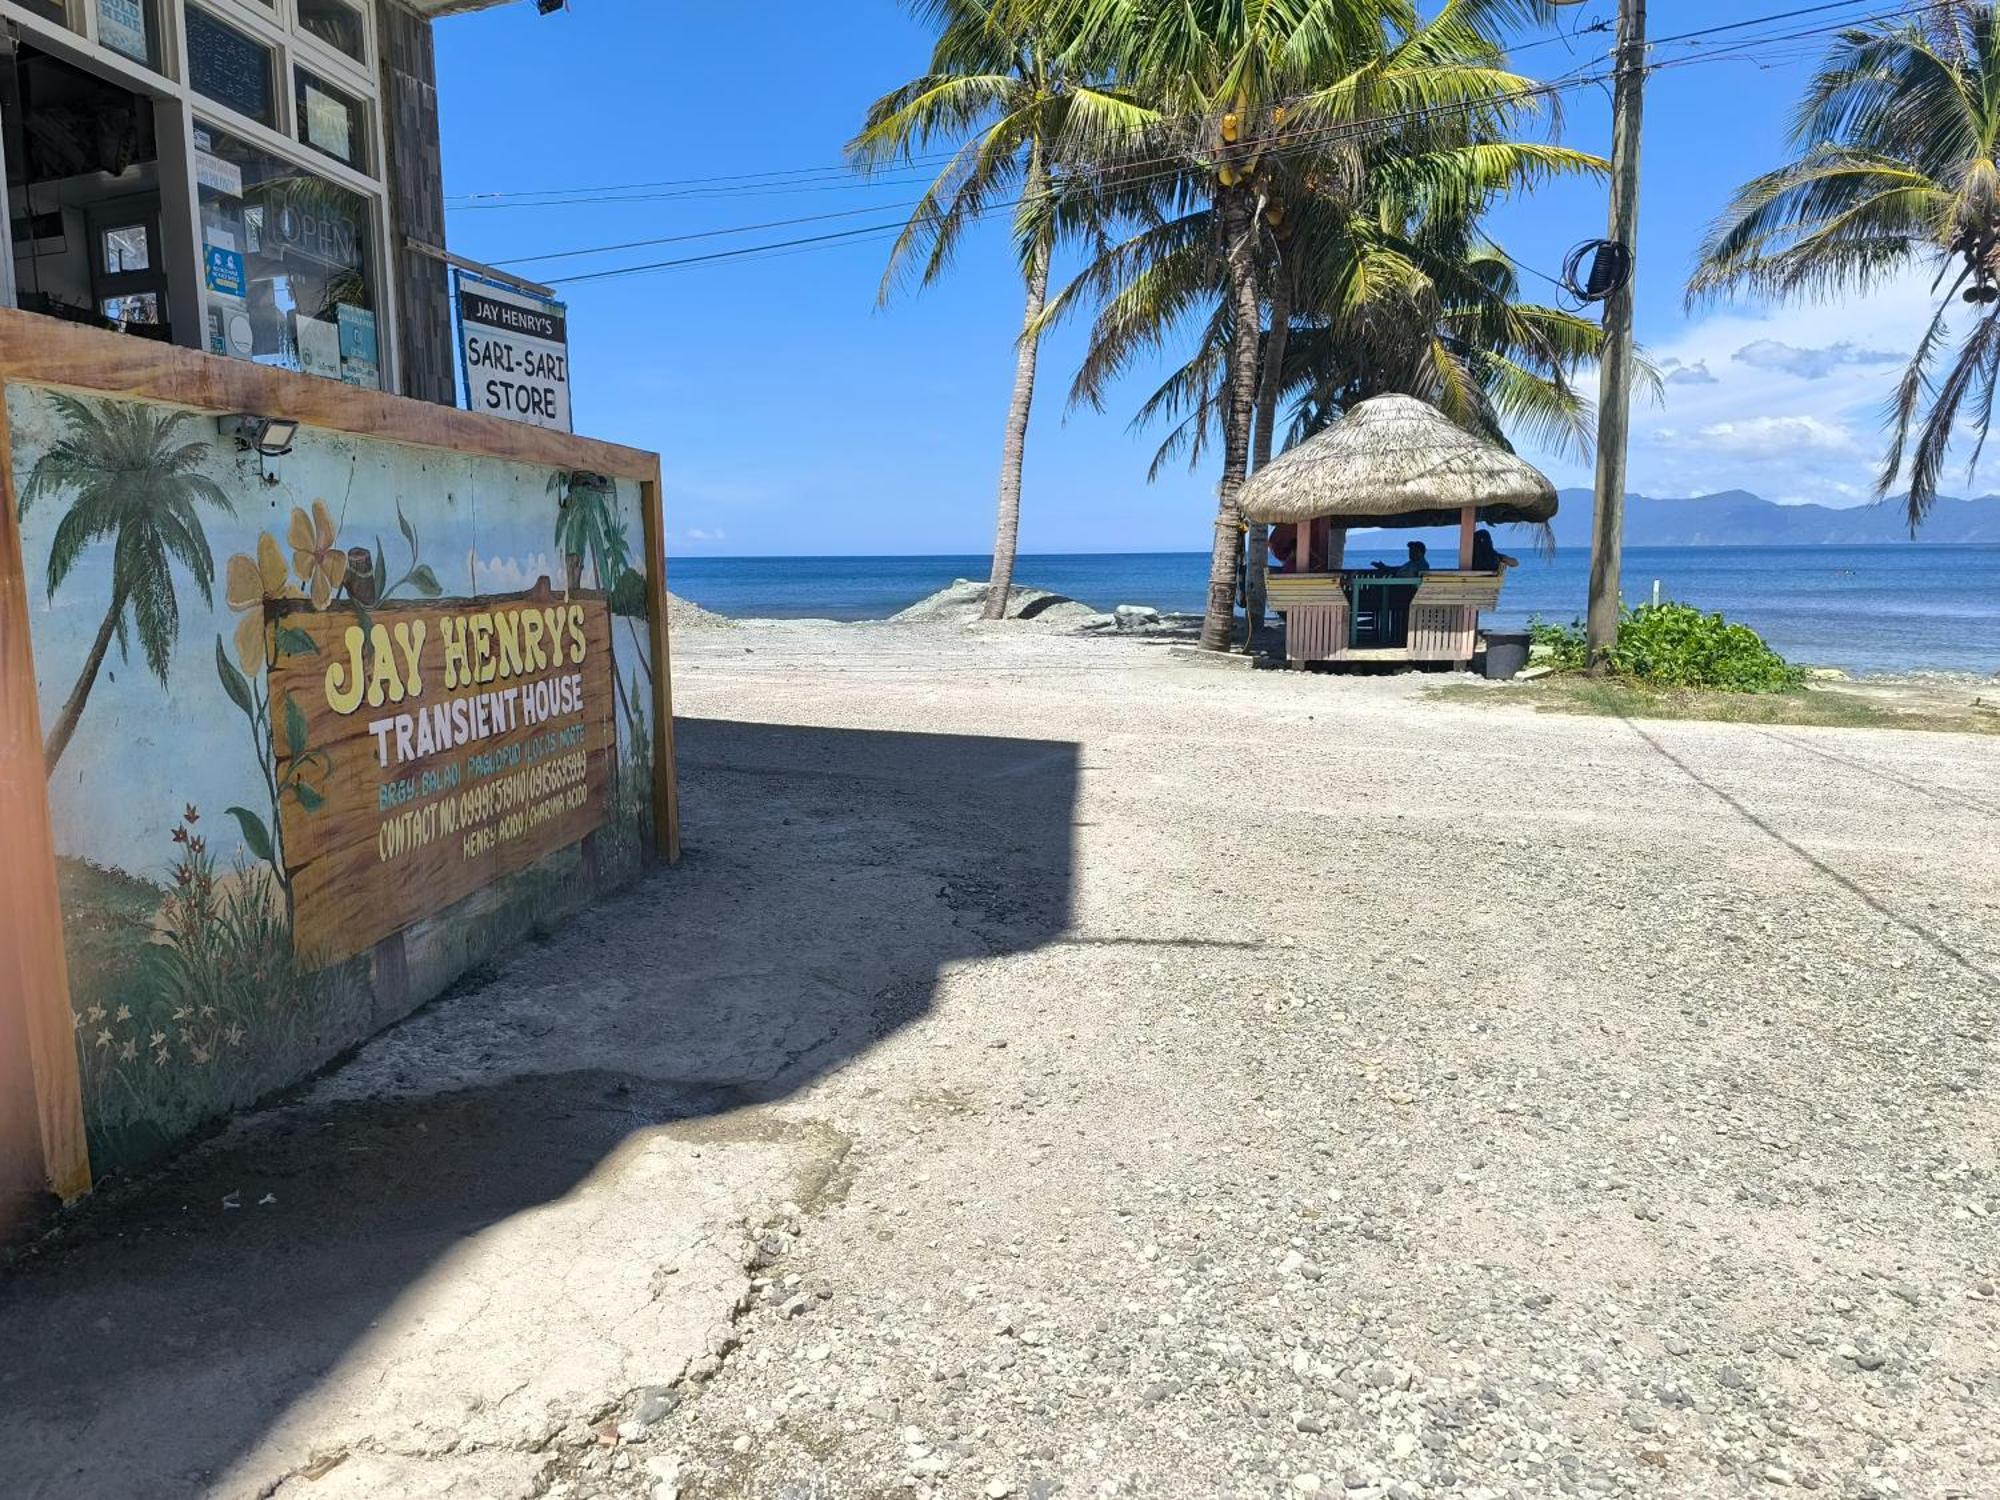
(1614, 406)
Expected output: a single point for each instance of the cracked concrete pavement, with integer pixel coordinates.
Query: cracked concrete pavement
(1059, 1069)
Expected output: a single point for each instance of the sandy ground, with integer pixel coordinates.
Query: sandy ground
(1063, 1068)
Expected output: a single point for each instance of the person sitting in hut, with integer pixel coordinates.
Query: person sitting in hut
(1486, 558)
(1285, 548)
(1415, 565)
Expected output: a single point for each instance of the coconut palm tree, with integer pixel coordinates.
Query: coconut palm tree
(1363, 306)
(1368, 229)
(1239, 97)
(999, 86)
(1895, 167)
(136, 483)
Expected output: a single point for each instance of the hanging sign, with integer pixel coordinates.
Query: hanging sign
(514, 347)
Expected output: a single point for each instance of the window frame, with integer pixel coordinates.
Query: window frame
(363, 73)
(381, 263)
(76, 40)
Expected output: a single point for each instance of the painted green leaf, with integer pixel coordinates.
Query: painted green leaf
(409, 531)
(309, 799)
(293, 641)
(234, 682)
(255, 834)
(426, 581)
(295, 727)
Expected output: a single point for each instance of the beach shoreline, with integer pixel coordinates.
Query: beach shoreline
(953, 610)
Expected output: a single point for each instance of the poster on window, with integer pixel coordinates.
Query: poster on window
(329, 123)
(121, 26)
(223, 265)
(514, 347)
(359, 356)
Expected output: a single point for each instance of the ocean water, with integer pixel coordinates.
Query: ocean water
(1907, 608)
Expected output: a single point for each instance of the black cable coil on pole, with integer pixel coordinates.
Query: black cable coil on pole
(1610, 269)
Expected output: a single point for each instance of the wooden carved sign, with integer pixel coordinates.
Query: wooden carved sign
(425, 751)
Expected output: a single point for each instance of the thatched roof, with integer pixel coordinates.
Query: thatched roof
(1397, 461)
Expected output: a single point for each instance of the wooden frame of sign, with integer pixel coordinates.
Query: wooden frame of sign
(34, 971)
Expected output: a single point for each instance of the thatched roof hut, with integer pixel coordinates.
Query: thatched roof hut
(1398, 461)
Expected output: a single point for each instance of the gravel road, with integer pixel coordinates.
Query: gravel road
(1063, 1068)
(1417, 1100)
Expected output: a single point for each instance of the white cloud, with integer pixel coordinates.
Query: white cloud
(1791, 406)
(1811, 364)
(1677, 373)
(698, 534)
(1764, 435)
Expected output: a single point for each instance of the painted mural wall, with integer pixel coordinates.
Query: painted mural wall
(322, 732)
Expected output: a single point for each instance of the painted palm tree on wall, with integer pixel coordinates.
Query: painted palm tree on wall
(135, 482)
(587, 526)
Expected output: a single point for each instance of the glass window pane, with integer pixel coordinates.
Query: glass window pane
(336, 23)
(48, 10)
(330, 121)
(140, 308)
(232, 69)
(126, 26)
(288, 275)
(126, 250)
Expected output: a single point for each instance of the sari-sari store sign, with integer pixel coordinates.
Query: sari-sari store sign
(515, 352)
(440, 747)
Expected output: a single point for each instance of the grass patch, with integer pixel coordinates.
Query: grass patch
(1833, 707)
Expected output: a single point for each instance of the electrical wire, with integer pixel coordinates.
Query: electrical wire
(823, 177)
(1172, 165)
(1309, 141)
(1385, 123)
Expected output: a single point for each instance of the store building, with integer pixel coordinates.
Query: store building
(314, 694)
(257, 179)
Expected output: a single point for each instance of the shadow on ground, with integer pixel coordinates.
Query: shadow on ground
(830, 875)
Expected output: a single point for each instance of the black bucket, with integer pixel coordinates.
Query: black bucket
(1506, 654)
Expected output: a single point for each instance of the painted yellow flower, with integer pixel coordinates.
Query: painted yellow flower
(322, 566)
(252, 584)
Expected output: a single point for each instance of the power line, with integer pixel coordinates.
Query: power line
(824, 177)
(1309, 141)
(1173, 165)
(705, 234)
(1313, 140)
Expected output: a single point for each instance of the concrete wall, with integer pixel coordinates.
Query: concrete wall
(181, 800)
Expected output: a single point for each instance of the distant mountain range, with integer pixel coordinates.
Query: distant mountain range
(1736, 518)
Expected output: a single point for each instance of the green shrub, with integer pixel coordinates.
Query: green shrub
(1559, 646)
(1676, 646)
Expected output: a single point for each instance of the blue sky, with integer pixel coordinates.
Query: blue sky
(795, 417)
